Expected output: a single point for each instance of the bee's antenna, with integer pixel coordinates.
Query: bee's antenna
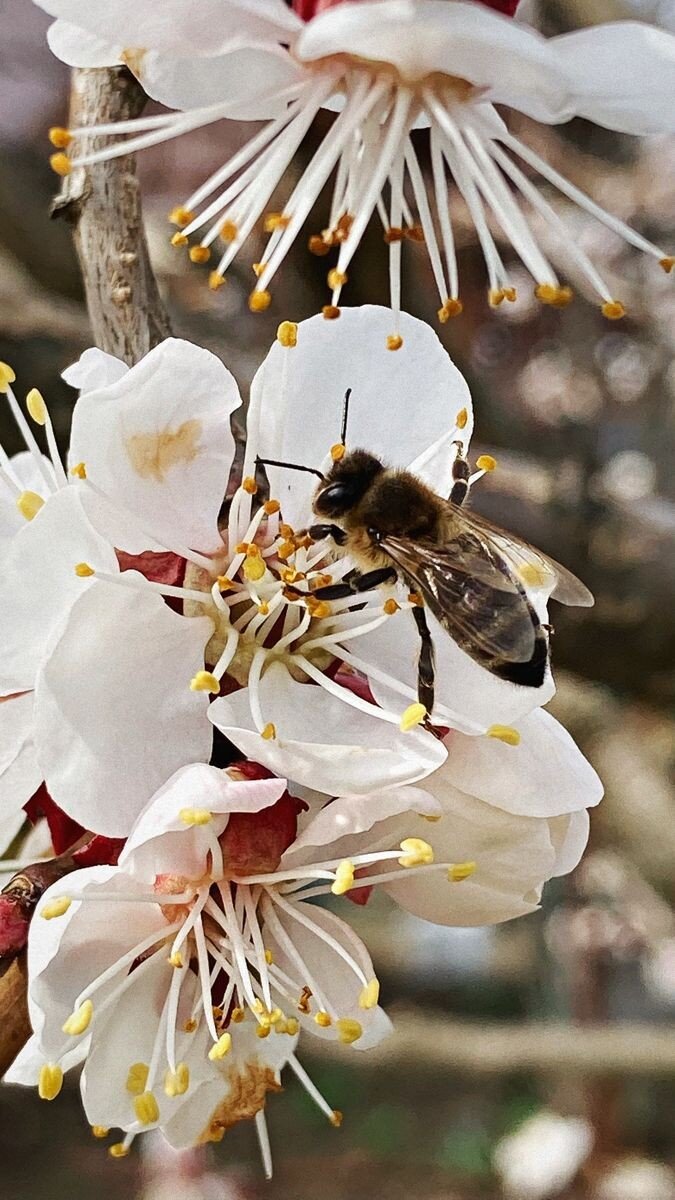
(273, 462)
(345, 416)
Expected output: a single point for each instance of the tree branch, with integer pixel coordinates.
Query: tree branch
(103, 204)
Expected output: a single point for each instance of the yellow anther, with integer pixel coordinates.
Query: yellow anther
(303, 1002)
(181, 216)
(322, 1019)
(60, 163)
(242, 547)
(237, 1015)
(176, 959)
(7, 376)
(331, 312)
(100, 1131)
(254, 569)
(336, 278)
(225, 584)
(80, 1020)
(285, 550)
(320, 581)
(195, 816)
(452, 308)
(222, 1047)
(55, 908)
(344, 878)
(291, 1026)
(286, 531)
(416, 599)
(263, 1030)
(50, 1081)
(199, 254)
(550, 293)
(190, 1025)
(667, 263)
(146, 1109)
(486, 462)
(394, 341)
(290, 575)
(370, 995)
(36, 406)
(252, 551)
(205, 681)
(461, 871)
(29, 504)
(338, 451)
(269, 733)
(228, 231)
(257, 1007)
(390, 607)
(318, 245)
(336, 1118)
(533, 576)
(276, 1016)
(249, 485)
(416, 853)
(564, 297)
(216, 280)
(319, 609)
(413, 715)
(258, 268)
(393, 234)
(137, 1077)
(60, 137)
(271, 507)
(259, 301)
(263, 608)
(504, 733)
(287, 333)
(118, 1150)
(176, 1083)
(613, 310)
(179, 239)
(462, 418)
(79, 471)
(496, 296)
(275, 220)
(83, 570)
(348, 1030)
(510, 294)
(269, 957)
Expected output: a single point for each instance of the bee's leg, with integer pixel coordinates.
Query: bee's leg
(426, 674)
(319, 532)
(461, 472)
(356, 583)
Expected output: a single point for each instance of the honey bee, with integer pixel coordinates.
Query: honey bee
(470, 574)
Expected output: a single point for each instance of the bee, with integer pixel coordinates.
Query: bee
(472, 575)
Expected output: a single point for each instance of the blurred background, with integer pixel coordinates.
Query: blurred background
(536, 1059)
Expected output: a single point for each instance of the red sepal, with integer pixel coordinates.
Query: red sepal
(64, 831)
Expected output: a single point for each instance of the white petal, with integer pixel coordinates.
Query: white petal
(78, 48)
(636, 99)
(94, 369)
(514, 857)
(114, 713)
(351, 824)
(158, 442)
(20, 775)
(402, 402)
(570, 838)
(27, 1065)
(38, 584)
(545, 776)
(424, 37)
(161, 842)
(468, 696)
(322, 742)
(340, 985)
(175, 27)
(247, 79)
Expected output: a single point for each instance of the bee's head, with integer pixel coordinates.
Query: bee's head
(346, 483)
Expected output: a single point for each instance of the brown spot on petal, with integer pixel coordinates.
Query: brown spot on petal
(152, 455)
(245, 1098)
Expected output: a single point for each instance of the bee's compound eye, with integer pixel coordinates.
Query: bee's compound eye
(334, 498)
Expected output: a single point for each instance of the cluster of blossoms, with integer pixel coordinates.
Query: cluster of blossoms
(244, 746)
(387, 67)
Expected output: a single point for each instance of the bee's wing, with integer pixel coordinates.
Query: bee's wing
(528, 564)
(470, 593)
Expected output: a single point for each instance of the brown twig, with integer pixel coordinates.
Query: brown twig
(103, 204)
